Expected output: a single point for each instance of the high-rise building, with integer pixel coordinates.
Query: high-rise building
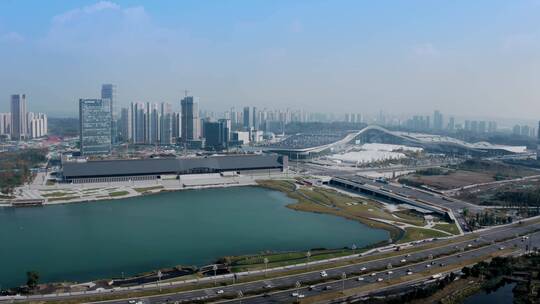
(437, 120)
(451, 124)
(227, 127)
(153, 124)
(538, 143)
(467, 125)
(256, 118)
(474, 126)
(5, 123)
(482, 127)
(176, 126)
(525, 130)
(138, 115)
(125, 125)
(248, 118)
(492, 127)
(95, 126)
(190, 119)
(166, 124)
(19, 124)
(108, 91)
(37, 125)
(216, 134)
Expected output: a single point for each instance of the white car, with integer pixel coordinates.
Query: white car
(324, 274)
(409, 272)
(363, 269)
(220, 291)
(379, 279)
(390, 272)
(132, 301)
(360, 279)
(428, 265)
(373, 274)
(294, 294)
(403, 261)
(469, 245)
(300, 296)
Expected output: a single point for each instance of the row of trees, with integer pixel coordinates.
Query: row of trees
(15, 167)
(486, 219)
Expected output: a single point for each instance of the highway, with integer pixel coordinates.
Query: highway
(388, 274)
(415, 262)
(407, 193)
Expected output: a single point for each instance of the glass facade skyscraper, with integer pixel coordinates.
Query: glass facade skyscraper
(108, 91)
(190, 119)
(95, 126)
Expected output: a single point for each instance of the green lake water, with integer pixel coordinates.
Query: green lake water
(85, 241)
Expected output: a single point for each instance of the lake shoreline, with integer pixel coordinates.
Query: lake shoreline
(260, 209)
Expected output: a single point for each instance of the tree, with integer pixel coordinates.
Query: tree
(32, 279)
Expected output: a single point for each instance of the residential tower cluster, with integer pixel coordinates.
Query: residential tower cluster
(19, 124)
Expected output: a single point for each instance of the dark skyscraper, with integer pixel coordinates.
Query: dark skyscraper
(190, 119)
(248, 118)
(217, 134)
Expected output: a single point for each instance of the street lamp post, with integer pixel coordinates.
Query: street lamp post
(265, 266)
(343, 277)
(159, 275)
(308, 255)
(353, 247)
(240, 295)
(215, 268)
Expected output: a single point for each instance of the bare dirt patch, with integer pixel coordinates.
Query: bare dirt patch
(453, 180)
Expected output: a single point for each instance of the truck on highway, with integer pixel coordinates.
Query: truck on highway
(381, 180)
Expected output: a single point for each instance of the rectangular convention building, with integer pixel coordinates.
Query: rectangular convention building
(154, 168)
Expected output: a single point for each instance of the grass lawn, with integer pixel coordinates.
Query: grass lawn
(329, 201)
(450, 228)
(244, 263)
(414, 234)
(118, 193)
(145, 189)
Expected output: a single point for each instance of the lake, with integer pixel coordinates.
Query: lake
(87, 241)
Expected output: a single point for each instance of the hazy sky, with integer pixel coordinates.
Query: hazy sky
(462, 57)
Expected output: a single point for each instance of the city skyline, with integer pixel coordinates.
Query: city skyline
(270, 151)
(301, 54)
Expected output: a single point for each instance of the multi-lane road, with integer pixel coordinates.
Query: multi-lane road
(439, 252)
(425, 197)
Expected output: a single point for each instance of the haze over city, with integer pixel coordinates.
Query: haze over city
(269, 151)
(478, 58)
